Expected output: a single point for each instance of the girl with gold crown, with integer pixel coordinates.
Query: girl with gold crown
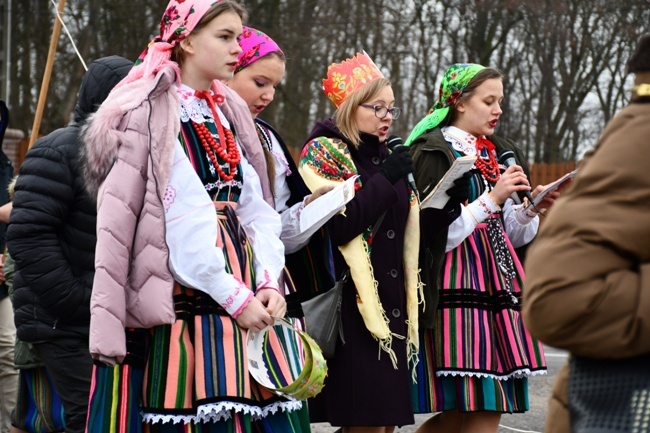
(188, 251)
(368, 384)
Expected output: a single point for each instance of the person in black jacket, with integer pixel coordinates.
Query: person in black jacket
(51, 237)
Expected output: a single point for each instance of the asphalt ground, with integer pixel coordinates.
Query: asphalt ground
(539, 389)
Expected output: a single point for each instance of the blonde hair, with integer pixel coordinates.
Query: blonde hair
(178, 53)
(345, 116)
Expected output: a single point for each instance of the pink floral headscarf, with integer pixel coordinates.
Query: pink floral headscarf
(178, 21)
(255, 45)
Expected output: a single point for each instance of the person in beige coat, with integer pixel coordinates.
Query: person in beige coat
(588, 272)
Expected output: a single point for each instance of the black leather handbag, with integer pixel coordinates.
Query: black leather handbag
(323, 317)
(323, 312)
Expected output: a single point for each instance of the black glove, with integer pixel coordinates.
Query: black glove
(459, 193)
(397, 165)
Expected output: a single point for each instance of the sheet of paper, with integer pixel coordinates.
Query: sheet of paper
(438, 198)
(552, 187)
(319, 211)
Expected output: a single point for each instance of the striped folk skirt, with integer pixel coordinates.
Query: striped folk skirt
(193, 375)
(479, 355)
(38, 407)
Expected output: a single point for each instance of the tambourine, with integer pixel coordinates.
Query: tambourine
(310, 380)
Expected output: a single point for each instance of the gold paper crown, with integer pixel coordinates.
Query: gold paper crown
(345, 78)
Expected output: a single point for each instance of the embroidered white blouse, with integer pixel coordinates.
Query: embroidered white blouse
(291, 236)
(520, 226)
(191, 223)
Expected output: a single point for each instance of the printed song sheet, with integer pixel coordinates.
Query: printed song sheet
(319, 211)
(552, 187)
(438, 198)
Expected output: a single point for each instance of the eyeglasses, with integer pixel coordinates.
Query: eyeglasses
(381, 111)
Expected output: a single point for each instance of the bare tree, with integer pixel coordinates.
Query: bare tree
(99, 28)
(564, 62)
(573, 49)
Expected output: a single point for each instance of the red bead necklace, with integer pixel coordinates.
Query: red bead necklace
(226, 149)
(489, 169)
(228, 152)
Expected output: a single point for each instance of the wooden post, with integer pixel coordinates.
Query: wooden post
(45, 84)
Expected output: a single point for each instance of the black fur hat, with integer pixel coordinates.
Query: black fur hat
(640, 60)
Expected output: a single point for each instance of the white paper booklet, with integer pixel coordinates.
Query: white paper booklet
(552, 187)
(438, 198)
(319, 211)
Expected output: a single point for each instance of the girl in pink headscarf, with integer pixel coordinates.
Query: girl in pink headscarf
(188, 252)
(260, 70)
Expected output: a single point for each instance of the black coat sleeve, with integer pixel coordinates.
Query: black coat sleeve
(375, 197)
(431, 163)
(43, 196)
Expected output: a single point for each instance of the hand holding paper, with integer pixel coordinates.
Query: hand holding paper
(438, 197)
(545, 195)
(319, 192)
(318, 211)
(459, 193)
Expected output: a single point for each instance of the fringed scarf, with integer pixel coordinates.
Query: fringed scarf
(326, 162)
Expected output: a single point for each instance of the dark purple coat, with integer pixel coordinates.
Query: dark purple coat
(360, 389)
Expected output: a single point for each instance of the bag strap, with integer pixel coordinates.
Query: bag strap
(375, 228)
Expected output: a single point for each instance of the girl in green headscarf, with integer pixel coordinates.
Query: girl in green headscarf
(475, 354)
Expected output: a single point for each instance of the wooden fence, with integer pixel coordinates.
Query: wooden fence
(542, 174)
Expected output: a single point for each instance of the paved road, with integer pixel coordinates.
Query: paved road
(530, 422)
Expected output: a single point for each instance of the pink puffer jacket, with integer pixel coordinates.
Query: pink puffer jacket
(128, 154)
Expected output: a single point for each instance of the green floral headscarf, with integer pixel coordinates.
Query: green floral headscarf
(453, 85)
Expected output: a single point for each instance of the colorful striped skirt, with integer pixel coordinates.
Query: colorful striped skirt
(295, 352)
(38, 407)
(194, 373)
(197, 373)
(479, 354)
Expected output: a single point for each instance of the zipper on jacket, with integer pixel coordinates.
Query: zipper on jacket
(153, 172)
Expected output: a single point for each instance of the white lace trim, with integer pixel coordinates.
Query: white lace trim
(151, 418)
(221, 184)
(285, 406)
(460, 140)
(197, 109)
(215, 412)
(517, 374)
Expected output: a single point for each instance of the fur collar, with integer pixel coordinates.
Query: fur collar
(103, 134)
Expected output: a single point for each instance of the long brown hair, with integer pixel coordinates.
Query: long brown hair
(345, 115)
